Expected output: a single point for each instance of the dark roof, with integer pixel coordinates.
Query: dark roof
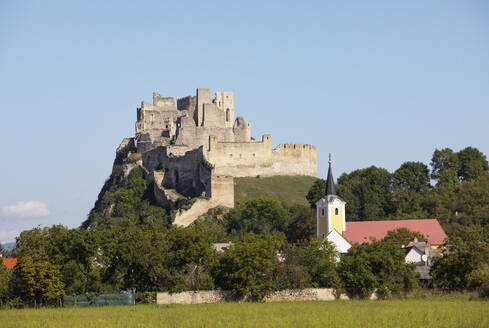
(330, 182)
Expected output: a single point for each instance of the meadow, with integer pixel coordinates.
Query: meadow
(287, 189)
(447, 311)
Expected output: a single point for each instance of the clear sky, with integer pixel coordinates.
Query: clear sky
(373, 82)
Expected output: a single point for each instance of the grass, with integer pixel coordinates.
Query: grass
(447, 311)
(287, 189)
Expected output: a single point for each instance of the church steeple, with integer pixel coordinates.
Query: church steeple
(330, 216)
(330, 182)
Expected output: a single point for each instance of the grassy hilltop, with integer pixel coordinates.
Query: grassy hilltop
(287, 189)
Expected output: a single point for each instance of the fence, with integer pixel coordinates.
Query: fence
(99, 300)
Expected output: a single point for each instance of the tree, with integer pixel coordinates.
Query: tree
(443, 159)
(303, 225)
(151, 257)
(411, 175)
(367, 193)
(260, 216)
(377, 266)
(402, 236)
(473, 164)
(316, 192)
(310, 263)
(468, 252)
(409, 204)
(72, 251)
(5, 275)
(36, 280)
(246, 268)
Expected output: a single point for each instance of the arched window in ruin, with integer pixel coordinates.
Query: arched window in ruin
(227, 115)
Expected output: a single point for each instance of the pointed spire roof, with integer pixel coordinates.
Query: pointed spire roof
(330, 182)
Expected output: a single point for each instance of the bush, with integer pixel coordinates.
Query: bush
(378, 266)
(146, 298)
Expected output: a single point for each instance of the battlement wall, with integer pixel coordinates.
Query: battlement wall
(242, 159)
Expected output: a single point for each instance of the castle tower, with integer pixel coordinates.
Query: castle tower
(225, 102)
(330, 209)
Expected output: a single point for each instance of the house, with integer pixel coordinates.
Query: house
(9, 262)
(422, 254)
(331, 223)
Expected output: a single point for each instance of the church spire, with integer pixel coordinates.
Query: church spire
(330, 182)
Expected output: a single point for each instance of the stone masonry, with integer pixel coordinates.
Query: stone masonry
(199, 147)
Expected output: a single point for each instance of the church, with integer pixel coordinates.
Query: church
(331, 223)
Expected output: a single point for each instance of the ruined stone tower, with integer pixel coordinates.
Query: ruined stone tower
(198, 147)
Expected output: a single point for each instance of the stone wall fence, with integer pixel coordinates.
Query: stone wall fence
(216, 296)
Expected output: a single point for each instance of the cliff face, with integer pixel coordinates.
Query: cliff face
(129, 194)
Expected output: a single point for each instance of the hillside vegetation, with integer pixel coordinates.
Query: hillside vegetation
(291, 190)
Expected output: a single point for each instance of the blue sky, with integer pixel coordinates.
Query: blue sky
(374, 83)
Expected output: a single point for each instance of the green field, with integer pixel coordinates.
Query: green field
(287, 189)
(448, 311)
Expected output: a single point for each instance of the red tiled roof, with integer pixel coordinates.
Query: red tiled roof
(10, 262)
(361, 231)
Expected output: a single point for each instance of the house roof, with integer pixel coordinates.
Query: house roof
(9, 262)
(359, 232)
(423, 247)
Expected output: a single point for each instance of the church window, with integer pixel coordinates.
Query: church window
(336, 211)
(322, 212)
(227, 115)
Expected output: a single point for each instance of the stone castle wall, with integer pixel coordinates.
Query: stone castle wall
(242, 159)
(200, 147)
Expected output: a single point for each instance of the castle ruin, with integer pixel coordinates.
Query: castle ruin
(195, 146)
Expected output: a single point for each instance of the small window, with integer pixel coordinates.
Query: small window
(322, 235)
(336, 211)
(322, 212)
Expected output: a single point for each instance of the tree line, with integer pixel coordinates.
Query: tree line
(56, 261)
(455, 191)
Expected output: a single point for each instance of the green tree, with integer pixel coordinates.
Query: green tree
(411, 175)
(303, 225)
(247, 267)
(402, 236)
(36, 280)
(316, 192)
(260, 216)
(311, 263)
(367, 193)
(469, 252)
(443, 159)
(473, 164)
(72, 251)
(151, 257)
(377, 266)
(409, 204)
(5, 275)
